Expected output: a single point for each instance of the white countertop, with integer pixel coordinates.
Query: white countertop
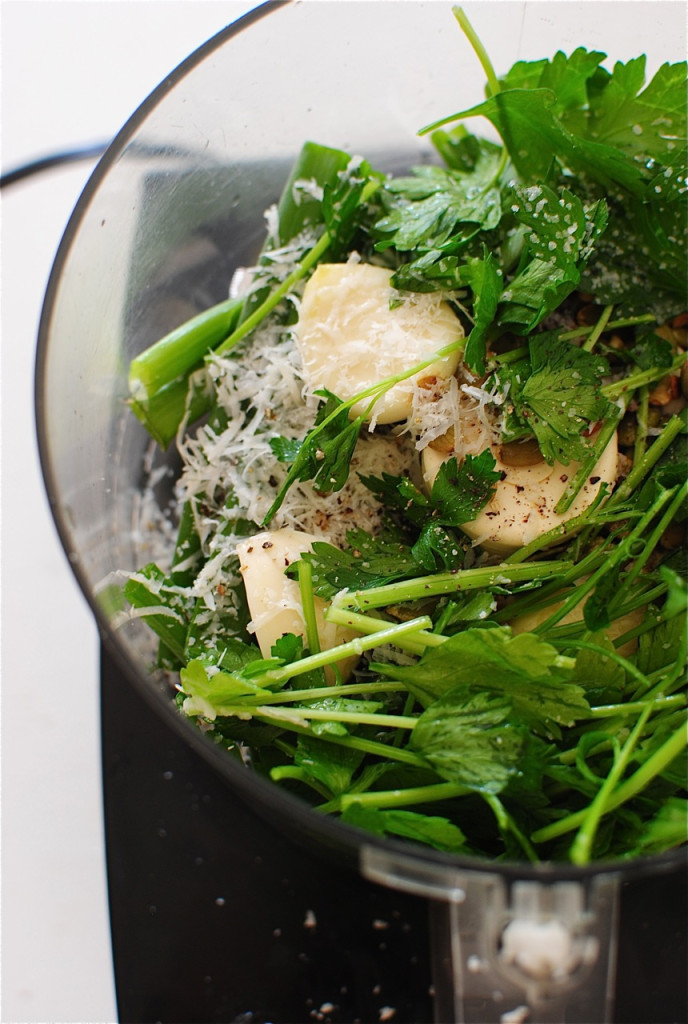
(72, 73)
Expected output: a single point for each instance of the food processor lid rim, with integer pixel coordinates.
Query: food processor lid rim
(111, 154)
(280, 801)
(113, 151)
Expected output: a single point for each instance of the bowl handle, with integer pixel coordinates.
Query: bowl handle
(508, 950)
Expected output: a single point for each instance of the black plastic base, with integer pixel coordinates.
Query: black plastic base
(217, 917)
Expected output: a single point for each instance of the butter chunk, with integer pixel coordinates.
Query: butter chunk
(274, 600)
(355, 330)
(522, 507)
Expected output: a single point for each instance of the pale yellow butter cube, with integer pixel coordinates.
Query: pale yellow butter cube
(351, 334)
(522, 507)
(274, 600)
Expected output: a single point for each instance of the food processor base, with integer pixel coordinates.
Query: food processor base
(218, 917)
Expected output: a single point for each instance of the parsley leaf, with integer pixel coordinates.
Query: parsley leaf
(437, 548)
(561, 228)
(650, 350)
(207, 693)
(556, 396)
(458, 494)
(566, 77)
(560, 233)
(433, 830)
(484, 277)
(666, 829)
(608, 135)
(324, 455)
(150, 588)
(522, 668)
(644, 123)
(367, 562)
(439, 209)
(599, 135)
(602, 678)
(333, 766)
(473, 741)
(342, 207)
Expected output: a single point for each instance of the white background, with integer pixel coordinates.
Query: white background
(72, 73)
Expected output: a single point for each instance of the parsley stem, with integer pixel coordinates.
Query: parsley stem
(374, 392)
(485, 63)
(613, 325)
(608, 565)
(638, 380)
(351, 648)
(367, 624)
(292, 771)
(507, 825)
(598, 329)
(671, 430)
(553, 591)
(305, 575)
(512, 356)
(404, 797)
(521, 352)
(633, 707)
(277, 294)
(580, 477)
(651, 543)
(384, 750)
(449, 583)
(581, 847)
(666, 678)
(479, 49)
(648, 770)
(605, 652)
(641, 418)
(365, 687)
(302, 715)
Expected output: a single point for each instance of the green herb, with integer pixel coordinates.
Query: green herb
(555, 395)
(474, 742)
(523, 668)
(526, 705)
(458, 493)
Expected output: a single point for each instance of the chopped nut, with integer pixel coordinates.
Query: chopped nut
(444, 443)
(627, 431)
(588, 315)
(624, 465)
(675, 333)
(654, 416)
(673, 536)
(663, 392)
(521, 453)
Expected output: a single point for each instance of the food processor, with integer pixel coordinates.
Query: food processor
(230, 899)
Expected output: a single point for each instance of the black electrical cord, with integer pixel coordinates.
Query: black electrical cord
(45, 163)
